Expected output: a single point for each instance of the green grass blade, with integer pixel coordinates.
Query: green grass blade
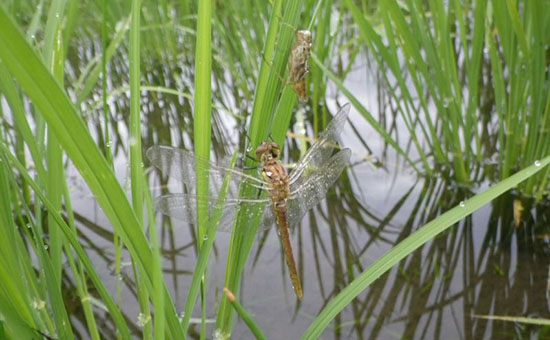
(247, 318)
(14, 324)
(158, 278)
(413, 242)
(203, 127)
(516, 319)
(90, 78)
(263, 94)
(12, 258)
(203, 103)
(51, 260)
(204, 254)
(137, 182)
(78, 268)
(10, 92)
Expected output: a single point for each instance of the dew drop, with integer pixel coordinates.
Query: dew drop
(219, 335)
(462, 204)
(109, 143)
(142, 319)
(38, 304)
(537, 163)
(205, 237)
(46, 246)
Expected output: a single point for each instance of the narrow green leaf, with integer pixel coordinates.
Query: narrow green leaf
(247, 318)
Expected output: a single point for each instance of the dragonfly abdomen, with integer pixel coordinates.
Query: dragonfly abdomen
(282, 223)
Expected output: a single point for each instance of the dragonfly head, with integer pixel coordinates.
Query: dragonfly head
(267, 151)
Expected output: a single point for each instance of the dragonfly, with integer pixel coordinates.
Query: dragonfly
(290, 195)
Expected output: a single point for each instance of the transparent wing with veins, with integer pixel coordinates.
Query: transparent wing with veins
(313, 186)
(181, 165)
(184, 207)
(321, 150)
(309, 181)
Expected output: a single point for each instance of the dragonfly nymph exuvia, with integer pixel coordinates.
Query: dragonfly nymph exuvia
(290, 196)
(298, 62)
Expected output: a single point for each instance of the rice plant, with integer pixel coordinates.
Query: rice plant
(85, 85)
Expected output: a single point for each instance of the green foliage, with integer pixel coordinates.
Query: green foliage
(468, 81)
(472, 63)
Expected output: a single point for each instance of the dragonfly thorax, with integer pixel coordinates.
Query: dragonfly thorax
(273, 170)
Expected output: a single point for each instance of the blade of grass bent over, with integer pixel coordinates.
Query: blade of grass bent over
(413, 242)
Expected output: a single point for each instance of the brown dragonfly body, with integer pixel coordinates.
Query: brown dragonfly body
(298, 63)
(291, 195)
(275, 174)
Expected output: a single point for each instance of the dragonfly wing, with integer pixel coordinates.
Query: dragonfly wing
(173, 162)
(322, 149)
(185, 207)
(313, 189)
(269, 219)
(181, 165)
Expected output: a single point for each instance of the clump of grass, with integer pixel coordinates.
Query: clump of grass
(468, 79)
